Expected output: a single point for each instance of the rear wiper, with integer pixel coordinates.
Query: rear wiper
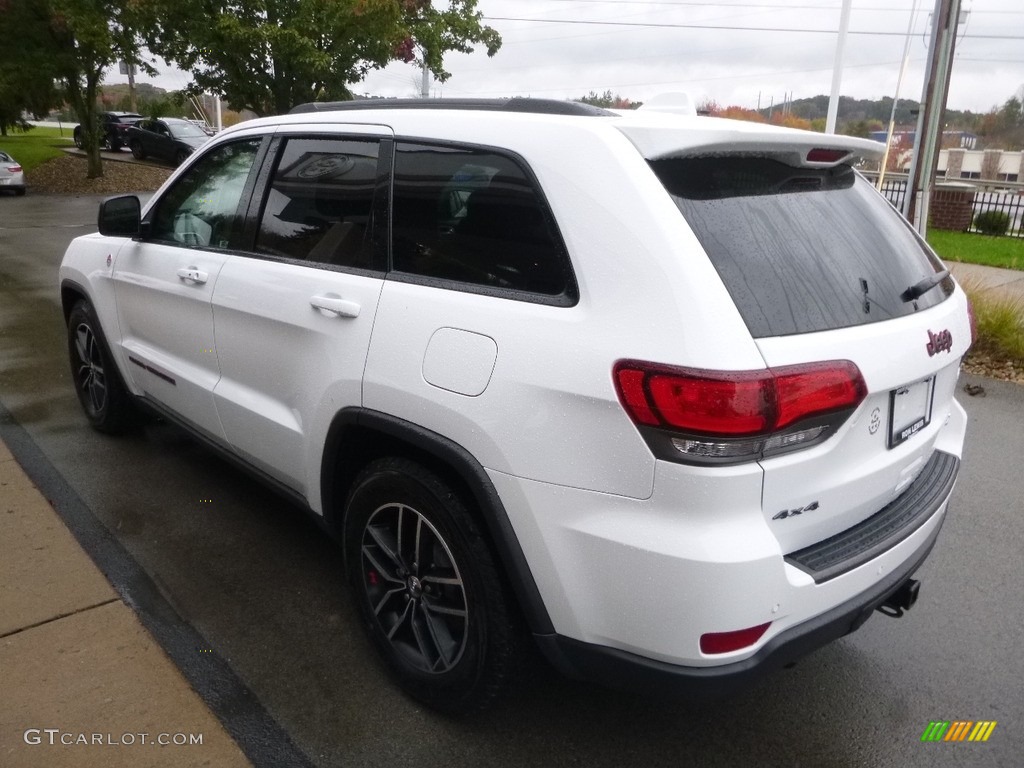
(921, 288)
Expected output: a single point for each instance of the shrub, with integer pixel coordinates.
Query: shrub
(992, 222)
(1000, 321)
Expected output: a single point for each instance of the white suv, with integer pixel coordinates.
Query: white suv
(673, 394)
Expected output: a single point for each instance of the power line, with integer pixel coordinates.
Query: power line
(766, 6)
(666, 25)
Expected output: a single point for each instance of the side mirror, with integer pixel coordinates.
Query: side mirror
(120, 216)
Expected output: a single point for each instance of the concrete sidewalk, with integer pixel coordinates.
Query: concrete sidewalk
(82, 682)
(991, 281)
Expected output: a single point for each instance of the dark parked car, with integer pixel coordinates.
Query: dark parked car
(114, 127)
(169, 139)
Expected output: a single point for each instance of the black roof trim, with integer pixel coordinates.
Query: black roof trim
(538, 106)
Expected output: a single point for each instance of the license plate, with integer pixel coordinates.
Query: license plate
(910, 410)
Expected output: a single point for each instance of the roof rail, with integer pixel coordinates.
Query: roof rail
(515, 104)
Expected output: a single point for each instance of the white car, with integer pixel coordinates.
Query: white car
(673, 395)
(12, 176)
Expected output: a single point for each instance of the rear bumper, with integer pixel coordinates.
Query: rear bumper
(627, 671)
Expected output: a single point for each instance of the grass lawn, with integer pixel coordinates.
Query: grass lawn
(34, 147)
(1005, 252)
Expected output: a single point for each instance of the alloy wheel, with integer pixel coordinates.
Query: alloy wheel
(90, 377)
(414, 588)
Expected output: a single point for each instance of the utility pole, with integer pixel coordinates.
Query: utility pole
(425, 83)
(933, 106)
(896, 98)
(837, 69)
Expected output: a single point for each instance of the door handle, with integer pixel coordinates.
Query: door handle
(333, 305)
(193, 275)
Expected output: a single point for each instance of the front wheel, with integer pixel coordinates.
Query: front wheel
(98, 384)
(137, 151)
(181, 157)
(428, 589)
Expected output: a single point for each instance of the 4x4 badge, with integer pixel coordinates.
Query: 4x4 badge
(794, 512)
(939, 342)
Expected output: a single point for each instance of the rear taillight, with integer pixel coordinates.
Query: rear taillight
(14, 168)
(735, 416)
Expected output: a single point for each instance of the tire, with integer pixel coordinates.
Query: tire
(427, 588)
(99, 387)
(78, 138)
(20, 191)
(181, 157)
(137, 151)
(114, 143)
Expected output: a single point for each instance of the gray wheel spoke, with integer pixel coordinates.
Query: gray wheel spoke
(402, 619)
(97, 392)
(417, 556)
(440, 636)
(433, 607)
(81, 339)
(429, 655)
(385, 547)
(375, 562)
(387, 596)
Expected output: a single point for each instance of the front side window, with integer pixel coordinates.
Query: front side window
(320, 202)
(472, 216)
(202, 209)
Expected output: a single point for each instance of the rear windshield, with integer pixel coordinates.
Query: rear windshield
(801, 250)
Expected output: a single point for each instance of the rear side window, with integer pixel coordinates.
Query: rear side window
(801, 250)
(320, 202)
(473, 217)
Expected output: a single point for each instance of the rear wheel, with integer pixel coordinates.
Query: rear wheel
(19, 191)
(428, 589)
(98, 384)
(78, 138)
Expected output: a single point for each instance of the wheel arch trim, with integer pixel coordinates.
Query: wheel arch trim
(456, 458)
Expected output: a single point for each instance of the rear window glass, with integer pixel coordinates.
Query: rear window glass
(801, 250)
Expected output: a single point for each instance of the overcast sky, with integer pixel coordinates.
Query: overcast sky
(731, 51)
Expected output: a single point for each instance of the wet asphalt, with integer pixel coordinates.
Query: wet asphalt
(249, 576)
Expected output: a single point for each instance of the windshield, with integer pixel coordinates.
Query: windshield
(186, 131)
(801, 250)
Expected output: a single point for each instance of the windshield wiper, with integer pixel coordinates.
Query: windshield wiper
(921, 288)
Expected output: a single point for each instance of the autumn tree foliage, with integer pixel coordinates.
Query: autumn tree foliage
(781, 117)
(608, 100)
(269, 55)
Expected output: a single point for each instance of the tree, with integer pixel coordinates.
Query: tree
(607, 100)
(26, 77)
(74, 41)
(269, 55)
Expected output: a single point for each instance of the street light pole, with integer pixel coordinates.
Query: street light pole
(837, 68)
(933, 106)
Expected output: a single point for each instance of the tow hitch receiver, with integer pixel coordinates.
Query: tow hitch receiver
(902, 599)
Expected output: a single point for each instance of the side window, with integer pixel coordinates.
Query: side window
(320, 200)
(201, 209)
(472, 216)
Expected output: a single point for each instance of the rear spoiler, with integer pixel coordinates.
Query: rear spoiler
(710, 136)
